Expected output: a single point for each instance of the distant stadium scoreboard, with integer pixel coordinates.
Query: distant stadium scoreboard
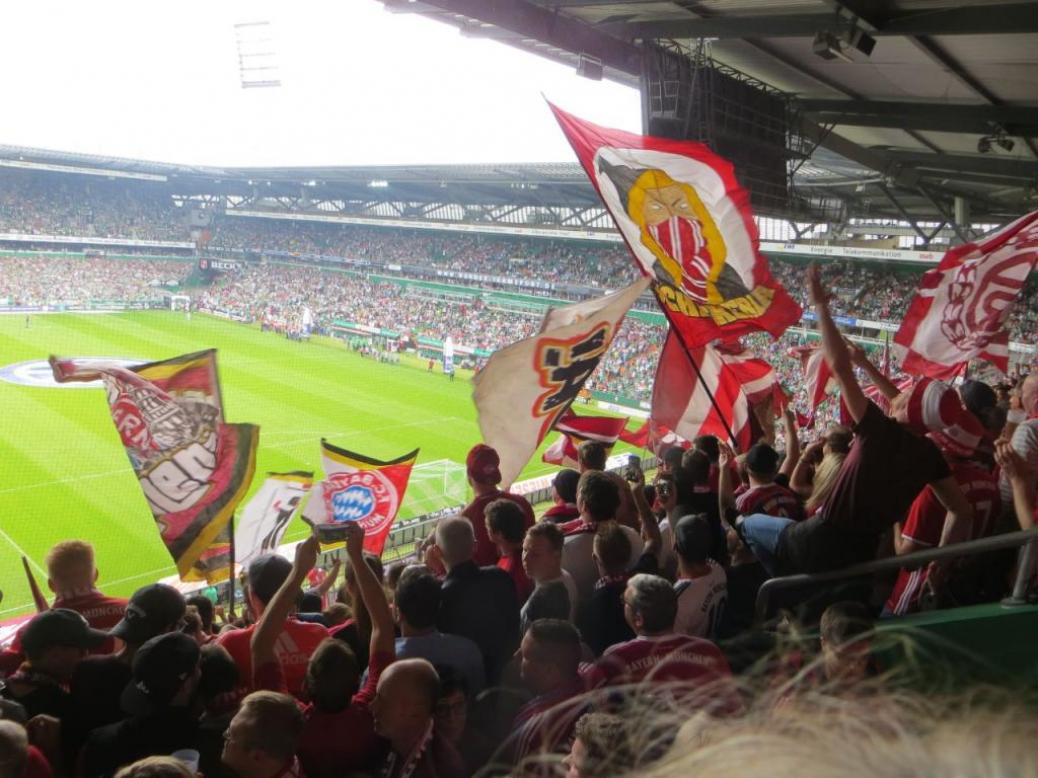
(212, 265)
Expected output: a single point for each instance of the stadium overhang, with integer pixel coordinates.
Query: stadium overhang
(916, 109)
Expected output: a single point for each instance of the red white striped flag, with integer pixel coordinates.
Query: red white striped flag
(575, 430)
(818, 377)
(681, 398)
(960, 308)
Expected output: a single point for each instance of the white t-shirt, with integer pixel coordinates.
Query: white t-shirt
(1025, 443)
(701, 602)
(579, 561)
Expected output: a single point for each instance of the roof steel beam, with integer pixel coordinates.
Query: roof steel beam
(1003, 18)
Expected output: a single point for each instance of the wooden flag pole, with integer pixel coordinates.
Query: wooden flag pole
(233, 579)
(37, 594)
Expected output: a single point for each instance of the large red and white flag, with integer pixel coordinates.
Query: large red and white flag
(681, 397)
(689, 226)
(527, 386)
(818, 376)
(960, 308)
(757, 377)
(575, 429)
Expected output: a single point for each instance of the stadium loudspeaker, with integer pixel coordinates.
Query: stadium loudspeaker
(589, 67)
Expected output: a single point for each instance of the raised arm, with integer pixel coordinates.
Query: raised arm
(802, 480)
(789, 425)
(1020, 479)
(861, 359)
(650, 528)
(329, 580)
(272, 622)
(725, 490)
(960, 512)
(835, 348)
(371, 592)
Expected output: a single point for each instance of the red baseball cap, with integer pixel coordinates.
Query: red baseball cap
(482, 465)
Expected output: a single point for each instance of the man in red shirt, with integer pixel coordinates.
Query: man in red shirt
(762, 495)
(338, 736)
(549, 666)
(564, 497)
(506, 525)
(658, 654)
(924, 528)
(298, 640)
(72, 576)
(483, 469)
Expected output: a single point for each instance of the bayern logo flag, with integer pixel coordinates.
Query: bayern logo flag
(960, 308)
(689, 226)
(361, 489)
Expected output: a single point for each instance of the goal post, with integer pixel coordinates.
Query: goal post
(434, 486)
(179, 302)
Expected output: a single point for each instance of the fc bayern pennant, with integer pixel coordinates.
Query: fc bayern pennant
(193, 467)
(961, 307)
(689, 225)
(361, 489)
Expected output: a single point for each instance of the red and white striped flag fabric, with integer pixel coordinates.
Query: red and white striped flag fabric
(960, 308)
(575, 429)
(681, 398)
(757, 377)
(639, 438)
(818, 378)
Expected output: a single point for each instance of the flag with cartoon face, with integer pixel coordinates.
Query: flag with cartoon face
(689, 226)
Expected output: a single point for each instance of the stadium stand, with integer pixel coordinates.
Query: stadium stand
(848, 636)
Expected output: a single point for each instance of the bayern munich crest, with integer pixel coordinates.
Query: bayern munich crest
(366, 496)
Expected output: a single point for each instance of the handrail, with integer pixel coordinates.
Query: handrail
(1024, 538)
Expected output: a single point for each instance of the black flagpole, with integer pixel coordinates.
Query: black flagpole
(695, 367)
(233, 579)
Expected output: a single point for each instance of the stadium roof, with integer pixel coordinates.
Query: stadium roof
(901, 124)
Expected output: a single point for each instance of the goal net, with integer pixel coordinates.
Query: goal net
(434, 486)
(179, 302)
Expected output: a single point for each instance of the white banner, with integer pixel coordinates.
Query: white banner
(262, 522)
(526, 386)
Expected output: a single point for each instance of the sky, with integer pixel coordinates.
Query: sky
(360, 85)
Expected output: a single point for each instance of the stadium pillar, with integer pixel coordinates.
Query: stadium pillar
(962, 214)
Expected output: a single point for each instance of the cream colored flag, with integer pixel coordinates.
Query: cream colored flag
(526, 386)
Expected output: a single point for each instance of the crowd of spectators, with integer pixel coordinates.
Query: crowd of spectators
(614, 635)
(38, 281)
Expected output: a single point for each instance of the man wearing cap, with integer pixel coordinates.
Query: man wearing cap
(72, 576)
(482, 465)
(157, 704)
(54, 643)
(762, 495)
(98, 682)
(890, 462)
(298, 641)
(564, 497)
(967, 453)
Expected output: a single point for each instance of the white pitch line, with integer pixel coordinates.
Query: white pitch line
(71, 480)
(22, 552)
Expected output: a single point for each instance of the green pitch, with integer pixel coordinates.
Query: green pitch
(63, 472)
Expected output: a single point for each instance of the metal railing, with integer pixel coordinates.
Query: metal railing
(1026, 540)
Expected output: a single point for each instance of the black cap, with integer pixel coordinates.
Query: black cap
(977, 396)
(59, 627)
(160, 668)
(565, 484)
(762, 459)
(150, 611)
(266, 574)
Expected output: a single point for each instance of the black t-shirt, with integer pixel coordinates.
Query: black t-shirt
(885, 469)
(602, 622)
(480, 603)
(159, 734)
(96, 688)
